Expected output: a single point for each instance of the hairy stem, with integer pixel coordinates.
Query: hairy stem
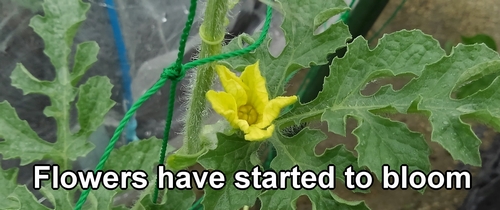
(212, 33)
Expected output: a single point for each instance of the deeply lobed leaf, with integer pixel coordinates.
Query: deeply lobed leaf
(61, 199)
(19, 138)
(383, 141)
(299, 150)
(433, 89)
(232, 154)
(139, 155)
(143, 155)
(14, 196)
(57, 28)
(380, 140)
(302, 49)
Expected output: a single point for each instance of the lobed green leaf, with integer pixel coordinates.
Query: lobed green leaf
(299, 150)
(303, 48)
(93, 103)
(101, 198)
(380, 140)
(14, 196)
(432, 92)
(19, 139)
(480, 80)
(57, 28)
(232, 154)
(383, 141)
(60, 198)
(140, 155)
(85, 56)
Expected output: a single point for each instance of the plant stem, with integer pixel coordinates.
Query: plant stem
(212, 33)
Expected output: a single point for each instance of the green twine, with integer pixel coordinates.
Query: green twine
(346, 14)
(175, 73)
(377, 33)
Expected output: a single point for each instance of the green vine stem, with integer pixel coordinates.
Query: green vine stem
(212, 33)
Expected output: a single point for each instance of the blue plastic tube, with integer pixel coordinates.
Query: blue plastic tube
(130, 131)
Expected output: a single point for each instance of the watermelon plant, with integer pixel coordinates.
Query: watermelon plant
(256, 113)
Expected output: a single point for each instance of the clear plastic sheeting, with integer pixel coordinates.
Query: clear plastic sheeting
(151, 31)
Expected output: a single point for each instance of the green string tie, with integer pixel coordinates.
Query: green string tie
(174, 73)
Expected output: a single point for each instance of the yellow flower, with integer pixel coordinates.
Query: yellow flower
(245, 102)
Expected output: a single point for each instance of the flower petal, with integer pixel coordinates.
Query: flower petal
(237, 91)
(224, 104)
(226, 75)
(273, 109)
(257, 91)
(242, 125)
(257, 134)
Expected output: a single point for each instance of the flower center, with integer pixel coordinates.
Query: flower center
(248, 113)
